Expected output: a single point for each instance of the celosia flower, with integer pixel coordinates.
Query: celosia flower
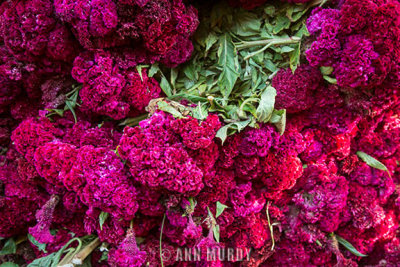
(128, 253)
(41, 232)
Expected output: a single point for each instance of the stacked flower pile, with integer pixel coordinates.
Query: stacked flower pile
(139, 133)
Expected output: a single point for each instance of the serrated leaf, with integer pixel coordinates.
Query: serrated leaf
(349, 246)
(171, 110)
(266, 105)
(229, 64)
(165, 86)
(102, 218)
(8, 264)
(372, 162)
(10, 247)
(40, 246)
(216, 232)
(220, 209)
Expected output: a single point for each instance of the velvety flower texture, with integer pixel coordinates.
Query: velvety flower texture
(295, 91)
(157, 159)
(359, 40)
(128, 253)
(110, 90)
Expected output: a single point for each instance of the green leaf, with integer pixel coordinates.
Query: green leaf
(266, 106)
(223, 132)
(278, 118)
(216, 233)
(153, 70)
(372, 162)
(165, 86)
(9, 264)
(167, 108)
(326, 70)
(330, 79)
(229, 64)
(44, 261)
(246, 23)
(294, 57)
(174, 75)
(349, 246)
(200, 112)
(220, 209)
(281, 23)
(102, 218)
(40, 246)
(71, 107)
(10, 247)
(139, 70)
(211, 39)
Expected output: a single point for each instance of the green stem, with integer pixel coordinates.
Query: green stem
(275, 41)
(162, 228)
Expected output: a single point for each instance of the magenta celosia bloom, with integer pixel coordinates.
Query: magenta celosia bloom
(41, 231)
(157, 163)
(127, 254)
(246, 200)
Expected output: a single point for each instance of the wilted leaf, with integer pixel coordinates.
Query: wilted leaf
(326, 70)
(200, 112)
(171, 110)
(246, 23)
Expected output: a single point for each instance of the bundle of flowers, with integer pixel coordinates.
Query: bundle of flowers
(199, 133)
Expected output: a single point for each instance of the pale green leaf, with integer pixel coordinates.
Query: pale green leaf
(165, 86)
(220, 209)
(171, 110)
(330, 79)
(102, 218)
(372, 162)
(266, 105)
(216, 232)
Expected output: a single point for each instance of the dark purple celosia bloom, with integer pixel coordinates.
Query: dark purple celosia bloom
(360, 41)
(295, 91)
(127, 254)
(109, 89)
